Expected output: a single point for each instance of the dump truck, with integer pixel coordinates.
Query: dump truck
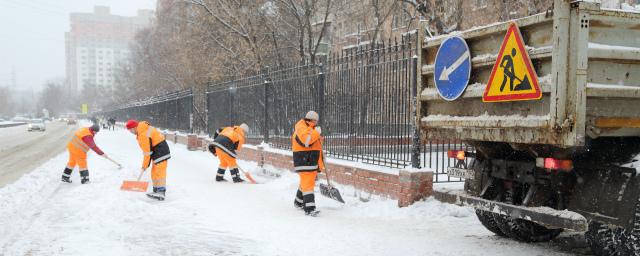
(565, 154)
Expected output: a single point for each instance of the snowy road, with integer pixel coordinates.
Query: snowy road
(41, 216)
(22, 151)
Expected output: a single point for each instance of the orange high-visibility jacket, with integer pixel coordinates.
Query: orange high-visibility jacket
(153, 145)
(230, 139)
(82, 141)
(307, 148)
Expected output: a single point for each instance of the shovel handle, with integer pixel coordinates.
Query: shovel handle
(113, 161)
(141, 172)
(326, 170)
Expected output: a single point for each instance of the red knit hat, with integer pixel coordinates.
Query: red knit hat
(132, 124)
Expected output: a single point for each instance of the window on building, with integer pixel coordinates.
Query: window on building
(480, 4)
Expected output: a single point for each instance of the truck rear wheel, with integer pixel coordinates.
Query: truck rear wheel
(604, 240)
(475, 186)
(487, 220)
(523, 230)
(631, 238)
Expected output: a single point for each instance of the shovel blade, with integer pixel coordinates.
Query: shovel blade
(137, 186)
(331, 192)
(249, 178)
(523, 85)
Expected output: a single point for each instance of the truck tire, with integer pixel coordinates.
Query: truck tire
(487, 220)
(604, 240)
(523, 230)
(474, 187)
(631, 238)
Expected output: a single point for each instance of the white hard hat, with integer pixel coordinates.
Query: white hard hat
(244, 127)
(312, 115)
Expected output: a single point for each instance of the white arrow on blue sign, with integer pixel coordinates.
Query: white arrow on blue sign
(452, 68)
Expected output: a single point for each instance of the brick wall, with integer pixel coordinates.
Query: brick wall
(406, 187)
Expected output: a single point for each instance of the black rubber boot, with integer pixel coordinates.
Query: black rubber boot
(84, 175)
(235, 175)
(66, 175)
(220, 175)
(298, 202)
(309, 204)
(158, 193)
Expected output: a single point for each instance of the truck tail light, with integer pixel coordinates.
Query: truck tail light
(457, 154)
(554, 164)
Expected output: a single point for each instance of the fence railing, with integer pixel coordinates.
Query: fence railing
(365, 96)
(170, 111)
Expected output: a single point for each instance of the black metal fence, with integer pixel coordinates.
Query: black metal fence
(365, 96)
(170, 111)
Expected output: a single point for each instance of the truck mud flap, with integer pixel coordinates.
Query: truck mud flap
(608, 195)
(545, 216)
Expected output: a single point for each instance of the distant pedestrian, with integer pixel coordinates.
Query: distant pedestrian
(112, 123)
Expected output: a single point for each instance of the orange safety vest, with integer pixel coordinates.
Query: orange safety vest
(230, 139)
(306, 147)
(153, 145)
(76, 146)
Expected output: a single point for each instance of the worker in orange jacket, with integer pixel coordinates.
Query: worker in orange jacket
(306, 144)
(226, 142)
(155, 151)
(78, 148)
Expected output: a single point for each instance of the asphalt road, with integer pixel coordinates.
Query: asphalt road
(22, 151)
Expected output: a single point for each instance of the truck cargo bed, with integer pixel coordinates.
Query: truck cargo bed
(587, 61)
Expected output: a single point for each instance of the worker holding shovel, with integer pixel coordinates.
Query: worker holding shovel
(225, 143)
(306, 144)
(155, 152)
(78, 148)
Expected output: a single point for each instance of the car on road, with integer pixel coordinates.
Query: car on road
(71, 121)
(36, 125)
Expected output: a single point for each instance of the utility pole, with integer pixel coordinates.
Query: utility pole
(13, 78)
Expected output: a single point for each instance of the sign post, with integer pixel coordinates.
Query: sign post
(85, 109)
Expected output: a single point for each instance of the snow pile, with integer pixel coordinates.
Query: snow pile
(630, 8)
(635, 163)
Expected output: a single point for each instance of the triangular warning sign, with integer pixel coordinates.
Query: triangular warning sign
(513, 77)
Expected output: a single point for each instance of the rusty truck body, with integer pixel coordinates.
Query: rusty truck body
(566, 160)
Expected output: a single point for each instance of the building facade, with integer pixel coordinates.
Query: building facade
(96, 43)
(355, 23)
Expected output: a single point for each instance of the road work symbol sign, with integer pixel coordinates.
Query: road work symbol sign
(513, 77)
(452, 68)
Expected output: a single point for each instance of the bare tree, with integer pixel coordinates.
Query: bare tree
(6, 108)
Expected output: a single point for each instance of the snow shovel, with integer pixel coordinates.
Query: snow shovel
(137, 186)
(247, 175)
(328, 190)
(113, 161)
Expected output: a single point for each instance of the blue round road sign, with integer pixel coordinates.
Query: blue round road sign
(452, 68)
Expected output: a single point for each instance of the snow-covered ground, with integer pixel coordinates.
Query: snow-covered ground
(42, 216)
(10, 122)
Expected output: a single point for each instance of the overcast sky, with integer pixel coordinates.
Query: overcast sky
(32, 35)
